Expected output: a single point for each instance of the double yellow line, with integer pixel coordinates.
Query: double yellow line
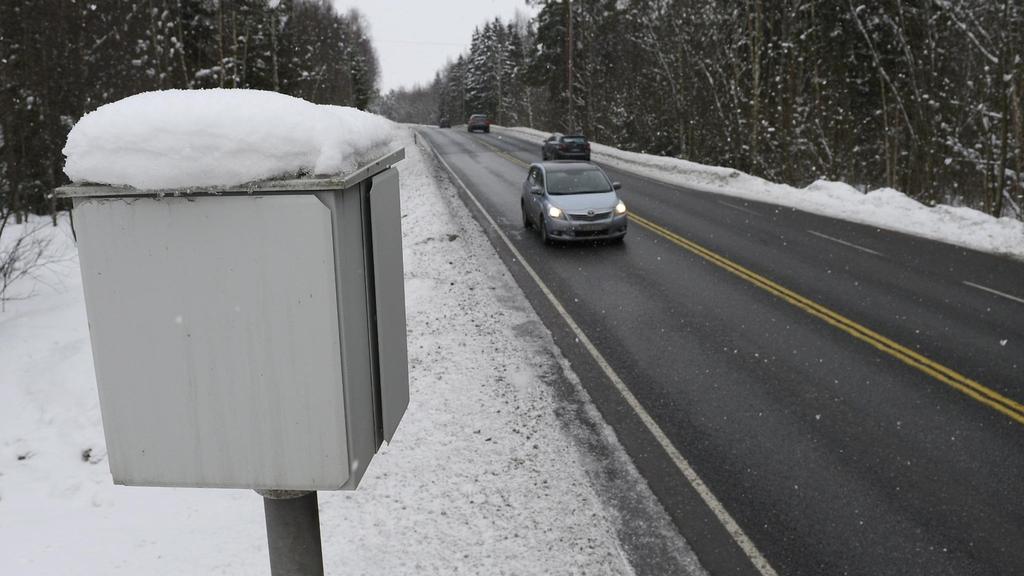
(948, 376)
(941, 373)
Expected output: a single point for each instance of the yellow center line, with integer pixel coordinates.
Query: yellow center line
(946, 375)
(952, 378)
(505, 154)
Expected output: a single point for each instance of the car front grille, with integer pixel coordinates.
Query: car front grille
(589, 233)
(585, 217)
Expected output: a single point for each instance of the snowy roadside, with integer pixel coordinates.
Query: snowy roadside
(884, 207)
(482, 478)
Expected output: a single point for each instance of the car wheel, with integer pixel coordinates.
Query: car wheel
(544, 237)
(526, 219)
(619, 240)
(487, 130)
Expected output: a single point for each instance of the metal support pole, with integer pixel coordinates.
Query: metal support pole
(293, 533)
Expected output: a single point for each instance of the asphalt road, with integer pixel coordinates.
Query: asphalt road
(818, 375)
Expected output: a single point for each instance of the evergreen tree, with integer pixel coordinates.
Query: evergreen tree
(920, 96)
(60, 59)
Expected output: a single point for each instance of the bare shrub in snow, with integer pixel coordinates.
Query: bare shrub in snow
(24, 250)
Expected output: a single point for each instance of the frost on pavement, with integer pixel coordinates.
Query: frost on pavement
(189, 138)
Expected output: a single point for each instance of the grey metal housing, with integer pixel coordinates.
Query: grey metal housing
(368, 315)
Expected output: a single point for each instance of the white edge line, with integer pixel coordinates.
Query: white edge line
(730, 525)
(740, 208)
(996, 292)
(845, 243)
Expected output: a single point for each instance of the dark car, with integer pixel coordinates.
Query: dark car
(566, 147)
(444, 123)
(478, 122)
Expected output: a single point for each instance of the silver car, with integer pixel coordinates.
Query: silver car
(572, 201)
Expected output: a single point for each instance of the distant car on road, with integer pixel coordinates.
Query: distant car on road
(566, 147)
(444, 123)
(572, 201)
(478, 122)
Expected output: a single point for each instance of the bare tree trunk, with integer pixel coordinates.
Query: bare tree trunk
(273, 50)
(51, 198)
(245, 55)
(890, 168)
(185, 72)
(15, 179)
(588, 38)
(681, 120)
(789, 95)
(569, 45)
(1006, 79)
(220, 39)
(997, 201)
(234, 49)
(500, 72)
(989, 176)
(756, 32)
(1018, 129)
(529, 109)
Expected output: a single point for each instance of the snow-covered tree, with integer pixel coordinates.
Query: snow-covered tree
(61, 59)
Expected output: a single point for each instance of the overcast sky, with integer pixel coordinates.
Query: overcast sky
(414, 38)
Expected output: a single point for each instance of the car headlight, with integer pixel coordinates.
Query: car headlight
(620, 208)
(555, 212)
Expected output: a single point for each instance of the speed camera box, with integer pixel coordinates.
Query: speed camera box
(246, 337)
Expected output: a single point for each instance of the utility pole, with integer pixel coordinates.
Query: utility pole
(501, 71)
(568, 64)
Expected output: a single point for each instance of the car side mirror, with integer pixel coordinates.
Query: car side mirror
(616, 186)
(536, 190)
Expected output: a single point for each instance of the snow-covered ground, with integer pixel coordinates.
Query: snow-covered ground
(482, 477)
(884, 208)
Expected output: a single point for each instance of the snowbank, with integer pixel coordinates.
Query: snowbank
(185, 138)
(482, 478)
(884, 208)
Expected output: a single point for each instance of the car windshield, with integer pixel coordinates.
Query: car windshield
(574, 139)
(576, 182)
